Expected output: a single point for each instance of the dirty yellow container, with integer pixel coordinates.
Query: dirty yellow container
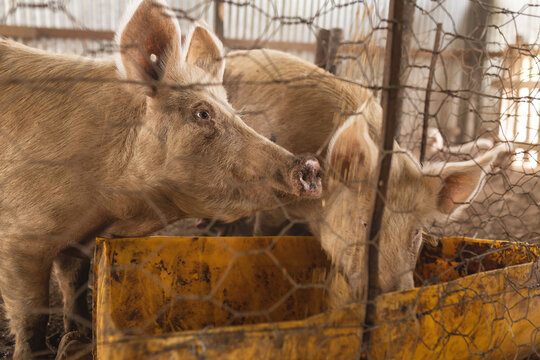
(264, 298)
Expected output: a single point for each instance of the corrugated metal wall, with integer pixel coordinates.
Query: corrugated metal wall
(263, 20)
(298, 21)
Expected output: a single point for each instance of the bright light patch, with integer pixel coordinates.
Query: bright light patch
(520, 112)
(525, 159)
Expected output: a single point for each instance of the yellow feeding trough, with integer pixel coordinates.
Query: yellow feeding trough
(265, 298)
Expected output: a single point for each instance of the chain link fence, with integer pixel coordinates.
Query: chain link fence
(423, 117)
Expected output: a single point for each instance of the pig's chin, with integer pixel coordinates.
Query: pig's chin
(287, 195)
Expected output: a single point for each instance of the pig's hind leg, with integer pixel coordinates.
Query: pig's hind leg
(24, 284)
(72, 268)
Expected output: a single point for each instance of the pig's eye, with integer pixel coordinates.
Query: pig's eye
(202, 114)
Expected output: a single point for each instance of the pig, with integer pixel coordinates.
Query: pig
(120, 147)
(436, 149)
(283, 97)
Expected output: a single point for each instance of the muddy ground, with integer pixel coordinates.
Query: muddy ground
(507, 208)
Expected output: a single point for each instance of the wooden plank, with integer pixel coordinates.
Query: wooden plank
(31, 32)
(321, 50)
(219, 15)
(516, 83)
(526, 146)
(334, 43)
(278, 45)
(27, 32)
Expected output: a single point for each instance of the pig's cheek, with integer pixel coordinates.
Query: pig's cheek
(203, 135)
(208, 131)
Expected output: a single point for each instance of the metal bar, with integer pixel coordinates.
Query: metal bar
(321, 50)
(219, 14)
(427, 100)
(334, 43)
(390, 93)
(237, 23)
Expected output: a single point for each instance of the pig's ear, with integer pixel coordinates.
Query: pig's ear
(205, 51)
(454, 185)
(352, 152)
(149, 39)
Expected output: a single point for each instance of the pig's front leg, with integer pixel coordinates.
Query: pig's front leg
(24, 283)
(71, 268)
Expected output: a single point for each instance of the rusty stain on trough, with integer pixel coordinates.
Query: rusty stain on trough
(241, 304)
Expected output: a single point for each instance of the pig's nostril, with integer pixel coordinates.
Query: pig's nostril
(310, 178)
(313, 165)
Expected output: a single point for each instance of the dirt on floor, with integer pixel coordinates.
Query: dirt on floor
(55, 327)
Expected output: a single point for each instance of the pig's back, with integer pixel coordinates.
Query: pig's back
(62, 126)
(289, 100)
(55, 102)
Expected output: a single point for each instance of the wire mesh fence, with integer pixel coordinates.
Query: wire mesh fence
(402, 133)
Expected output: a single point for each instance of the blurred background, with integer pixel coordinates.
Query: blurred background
(477, 85)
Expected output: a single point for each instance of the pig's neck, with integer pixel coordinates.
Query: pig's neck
(140, 212)
(145, 222)
(136, 206)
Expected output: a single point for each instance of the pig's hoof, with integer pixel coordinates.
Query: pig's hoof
(74, 345)
(310, 178)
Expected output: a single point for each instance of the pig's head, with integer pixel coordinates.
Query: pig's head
(415, 197)
(191, 147)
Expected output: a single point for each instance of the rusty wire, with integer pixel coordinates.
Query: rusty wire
(475, 88)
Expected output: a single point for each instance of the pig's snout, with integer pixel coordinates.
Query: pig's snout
(309, 178)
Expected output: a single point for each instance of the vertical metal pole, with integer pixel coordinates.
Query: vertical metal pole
(390, 95)
(219, 15)
(407, 18)
(336, 38)
(328, 43)
(434, 56)
(476, 23)
(321, 51)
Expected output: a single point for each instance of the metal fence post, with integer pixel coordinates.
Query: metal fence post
(328, 42)
(321, 51)
(390, 94)
(219, 15)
